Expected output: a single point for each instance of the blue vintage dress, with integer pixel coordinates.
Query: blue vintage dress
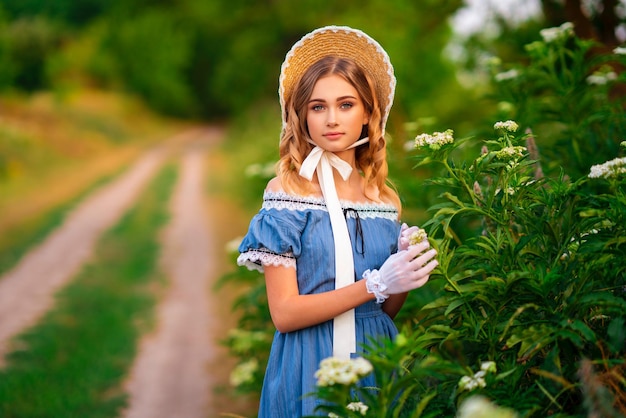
(295, 231)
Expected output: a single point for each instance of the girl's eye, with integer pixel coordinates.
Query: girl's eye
(317, 108)
(346, 105)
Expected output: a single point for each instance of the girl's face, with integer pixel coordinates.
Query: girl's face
(335, 114)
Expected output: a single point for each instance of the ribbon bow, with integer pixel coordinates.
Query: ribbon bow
(323, 162)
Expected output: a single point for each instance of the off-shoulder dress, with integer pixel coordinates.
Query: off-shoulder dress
(295, 232)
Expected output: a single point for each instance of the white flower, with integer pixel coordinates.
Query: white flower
(507, 75)
(564, 31)
(434, 141)
(358, 407)
(488, 366)
(408, 146)
(480, 407)
(508, 153)
(339, 371)
(509, 125)
(469, 383)
(260, 170)
(244, 372)
(508, 190)
(609, 169)
(601, 78)
(361, 366)
(620, 50)
(333, 415)
(232, 246)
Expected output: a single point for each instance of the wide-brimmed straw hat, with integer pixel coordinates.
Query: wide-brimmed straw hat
(343, 42)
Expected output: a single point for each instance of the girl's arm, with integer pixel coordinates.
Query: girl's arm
(394, 303)
(291, 311)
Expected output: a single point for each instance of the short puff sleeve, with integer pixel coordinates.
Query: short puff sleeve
(272, 239)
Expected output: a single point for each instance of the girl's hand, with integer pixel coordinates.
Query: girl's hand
(401, 272)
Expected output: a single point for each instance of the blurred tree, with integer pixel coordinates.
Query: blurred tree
(154, 69)
(26, 44)
(600, 20)
(71, 12)
(212, 59)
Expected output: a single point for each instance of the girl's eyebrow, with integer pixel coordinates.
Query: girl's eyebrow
(339, 99)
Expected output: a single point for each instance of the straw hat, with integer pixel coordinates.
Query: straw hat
(344, 42)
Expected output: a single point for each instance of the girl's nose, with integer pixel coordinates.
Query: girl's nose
(331, 119)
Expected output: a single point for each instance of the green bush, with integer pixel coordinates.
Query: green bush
(525, 314)
(26, 45)
(151, 53)
(529, 311)
(562, 94)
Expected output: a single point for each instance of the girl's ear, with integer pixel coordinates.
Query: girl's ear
(366, 119)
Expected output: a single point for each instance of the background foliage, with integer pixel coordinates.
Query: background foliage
(212, 59)
(219, 60)
(524, 278)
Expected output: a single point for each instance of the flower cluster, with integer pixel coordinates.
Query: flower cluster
(244, 372)
(507, 75)
(601, 78)
(264, 171)
(359, 407)
(470, 383)
(479, 406)
(620, 50)
(609, 169)
(550, 35)
(339, 371)
(434, 141)
(508, 153)
(509, 125)
(417, 237)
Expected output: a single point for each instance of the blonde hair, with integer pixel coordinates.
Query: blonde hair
(371, 157)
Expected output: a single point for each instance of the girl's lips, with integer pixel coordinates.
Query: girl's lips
(333, 135)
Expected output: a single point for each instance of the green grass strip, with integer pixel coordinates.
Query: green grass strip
(19, 239)
(74, 361)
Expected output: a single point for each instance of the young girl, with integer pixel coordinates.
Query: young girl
(337, 262)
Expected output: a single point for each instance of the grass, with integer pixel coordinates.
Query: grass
(72, 364)
(21, 237)
(252, 138)
(46, 141)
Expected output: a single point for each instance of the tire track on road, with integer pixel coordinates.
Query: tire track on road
(171, 376)
(27, 291)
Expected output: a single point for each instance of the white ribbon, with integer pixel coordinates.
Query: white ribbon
(322, 161)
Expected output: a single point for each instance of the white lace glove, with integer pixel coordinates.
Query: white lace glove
(410, 235)
(401, 272)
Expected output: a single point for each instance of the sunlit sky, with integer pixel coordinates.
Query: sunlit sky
(475, 16)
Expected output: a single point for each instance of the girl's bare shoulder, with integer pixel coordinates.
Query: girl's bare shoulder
(274, 185)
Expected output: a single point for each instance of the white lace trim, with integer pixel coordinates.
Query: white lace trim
(284, 201)
(257, 259)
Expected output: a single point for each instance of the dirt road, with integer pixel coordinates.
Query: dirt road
(180, 364)
(27, 291)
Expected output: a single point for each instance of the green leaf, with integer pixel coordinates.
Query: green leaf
(617, 334)
(531, 338)
(453, 305)
(582, 328)
(445, 211)
(454, 199)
